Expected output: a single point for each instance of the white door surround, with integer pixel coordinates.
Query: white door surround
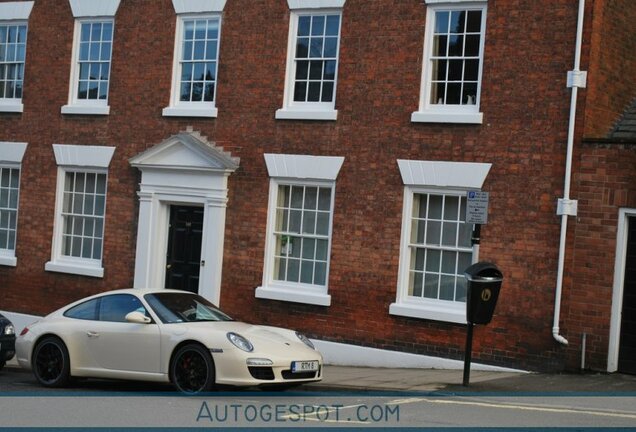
(625, 217)
(185, 169)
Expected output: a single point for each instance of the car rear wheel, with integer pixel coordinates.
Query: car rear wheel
(51, 364)
(192, 369)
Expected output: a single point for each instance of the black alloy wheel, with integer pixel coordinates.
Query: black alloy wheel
(51, 364)
(192, 369)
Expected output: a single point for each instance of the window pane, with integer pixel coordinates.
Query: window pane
(455, 70)
(322, 226)
(320, 276)
(431, 285)
(327, 92)
(315, 70)
(435, 207)
(447, 288)
(433, 260)
(441, 21)
(307, 272)
(309, 222)
(318, 25)
(330, 70)
(309, 246)
(333, 25)
(324, 202)
(300, 91)
(303, 25)
(302, 48)
(471, 70)
(321, 250)
(473, 22)
(311, 194)
(293, 270)
(116, 307)
(457, 21)
(440, 45)
(302, 69)
(417, 281)
(315, 47)
(449, 234)
(453, 94)
(295, 217)
(313, 95)
(472, 46)
(330, 47)
(449, 262)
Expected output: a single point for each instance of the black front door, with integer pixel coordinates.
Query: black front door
(627, 348)
(183, 262)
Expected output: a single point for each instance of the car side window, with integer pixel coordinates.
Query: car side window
(115, 307)
(84, 311)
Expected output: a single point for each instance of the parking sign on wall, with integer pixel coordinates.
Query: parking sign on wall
(477, 207)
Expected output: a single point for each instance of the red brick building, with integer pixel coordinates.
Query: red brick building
(305, 163)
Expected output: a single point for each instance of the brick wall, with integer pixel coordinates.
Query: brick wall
(605, 183)
(529, 48)
(612, 68)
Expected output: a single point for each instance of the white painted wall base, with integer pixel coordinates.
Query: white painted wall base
(338, 354)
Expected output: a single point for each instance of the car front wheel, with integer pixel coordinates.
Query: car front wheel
(51, 364)
(192, 369)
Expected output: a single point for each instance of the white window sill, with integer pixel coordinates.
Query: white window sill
(190, 112)
(9, 261)
(74, 268)
(299, 114)
(430, 312)
(284, 294)
(447, 117)
(86, 109)
(11, 107)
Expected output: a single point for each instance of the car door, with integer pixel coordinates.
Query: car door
(118, 345)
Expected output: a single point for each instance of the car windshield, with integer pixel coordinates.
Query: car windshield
(184, 307)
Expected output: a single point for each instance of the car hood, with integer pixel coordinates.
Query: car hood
(262, 337)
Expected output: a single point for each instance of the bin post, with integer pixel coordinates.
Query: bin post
(468, 354)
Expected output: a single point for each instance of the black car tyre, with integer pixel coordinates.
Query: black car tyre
(2, 365)
(192, 369)
(51, 363)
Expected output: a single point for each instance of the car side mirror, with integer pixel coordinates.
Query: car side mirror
(137, 318)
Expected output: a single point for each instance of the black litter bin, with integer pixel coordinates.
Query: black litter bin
(483, 284)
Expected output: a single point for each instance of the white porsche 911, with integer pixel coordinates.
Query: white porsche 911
(164, 336)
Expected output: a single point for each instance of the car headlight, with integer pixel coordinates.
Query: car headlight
(305, 340)
(240, 342)
(9, 330)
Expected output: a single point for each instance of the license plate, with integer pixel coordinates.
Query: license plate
(304, 366)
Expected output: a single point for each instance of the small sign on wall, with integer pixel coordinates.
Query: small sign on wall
(477, 207)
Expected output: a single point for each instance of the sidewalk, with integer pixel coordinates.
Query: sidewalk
(427, 380)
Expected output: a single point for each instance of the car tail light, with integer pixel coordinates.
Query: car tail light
(24, 331)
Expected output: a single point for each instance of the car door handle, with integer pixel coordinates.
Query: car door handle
(92, 334)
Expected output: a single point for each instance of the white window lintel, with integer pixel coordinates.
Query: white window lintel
(447, 117)
(83, 155)
(12, 152)
(87, 109)
(460, 175)
(303, 166)
(453, 1)
(94, 8)
(198, 6)
(15, 10)
(315, 4)
(195, 111)
(291, 113)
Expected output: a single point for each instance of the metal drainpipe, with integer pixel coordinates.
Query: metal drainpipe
(566, 206)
